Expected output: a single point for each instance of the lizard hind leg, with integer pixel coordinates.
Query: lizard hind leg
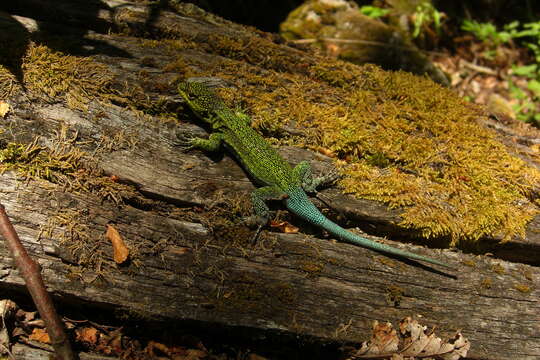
(310, 184)
(262, 211)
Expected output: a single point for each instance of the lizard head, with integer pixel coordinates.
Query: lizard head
(200, 98)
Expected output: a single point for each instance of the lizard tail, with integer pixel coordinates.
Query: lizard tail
(299, 203)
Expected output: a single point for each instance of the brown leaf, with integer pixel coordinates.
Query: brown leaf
(40, 335)
(153, 346)
(7, 309)
(253, 356)
(416, 343)
(179, 250)
(29, 316)
(326, 152)
(18, 331)
(4, 108)
(121, 252)
(384, 340)
(284, 227)
(196, 354)
(87, 334)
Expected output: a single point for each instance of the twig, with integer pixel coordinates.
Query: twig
(478, 68)
(31, 273)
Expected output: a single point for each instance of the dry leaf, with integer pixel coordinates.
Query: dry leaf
(416, 343)
(179, 250)
(40, 335)
(326, 152)
(120, 250)
(384, 340)
(87, 334)
(196, 354)
(4, 108)
(284, 227)
(7, 311)
(110, 343)
(153, 346)
(253, 356)
(28, 315)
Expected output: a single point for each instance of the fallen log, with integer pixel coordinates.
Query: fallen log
(109, 163)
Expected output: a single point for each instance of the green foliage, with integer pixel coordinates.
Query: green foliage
(529, 34)
(373, 11)
(488, 33)
(425, 14)
(526, 108)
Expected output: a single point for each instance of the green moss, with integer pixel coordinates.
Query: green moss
(523, 288)
(312, 268)
(71, 228)
(398, 138)
(416, 146)
(498, 268)
(255, 50)
(36, 162)
(469, 263)
(8, 83)
(394, 295)
(54, 76)
(486, 283)
(64, 165)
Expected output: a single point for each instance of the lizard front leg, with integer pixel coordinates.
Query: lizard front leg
(187, 141)
(310, 184)
(262, 211)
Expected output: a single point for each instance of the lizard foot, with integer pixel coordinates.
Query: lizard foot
(314, 184)
(255, 221)
(184, 140)
(330, 179)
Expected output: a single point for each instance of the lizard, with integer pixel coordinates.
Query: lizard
(278, 179)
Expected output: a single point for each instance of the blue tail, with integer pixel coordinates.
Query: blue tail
(299, 203)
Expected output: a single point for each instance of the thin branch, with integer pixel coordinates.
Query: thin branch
(31, 273)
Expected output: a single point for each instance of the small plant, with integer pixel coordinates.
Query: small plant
(529, 35)
(488, 33)
(424, 15)
(373, 11)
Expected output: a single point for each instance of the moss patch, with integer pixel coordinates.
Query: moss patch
(402, 140)
(54, 76)
(8, 83)
(64, 165)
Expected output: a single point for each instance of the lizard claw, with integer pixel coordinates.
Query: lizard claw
(321, 182)
(259, 222)
(184, 140)
(331, 178)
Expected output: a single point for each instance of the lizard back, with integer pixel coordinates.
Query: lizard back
(260, 159)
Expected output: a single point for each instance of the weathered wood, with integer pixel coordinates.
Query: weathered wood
(179, 270)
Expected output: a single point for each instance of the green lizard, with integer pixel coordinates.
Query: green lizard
(278, 179)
